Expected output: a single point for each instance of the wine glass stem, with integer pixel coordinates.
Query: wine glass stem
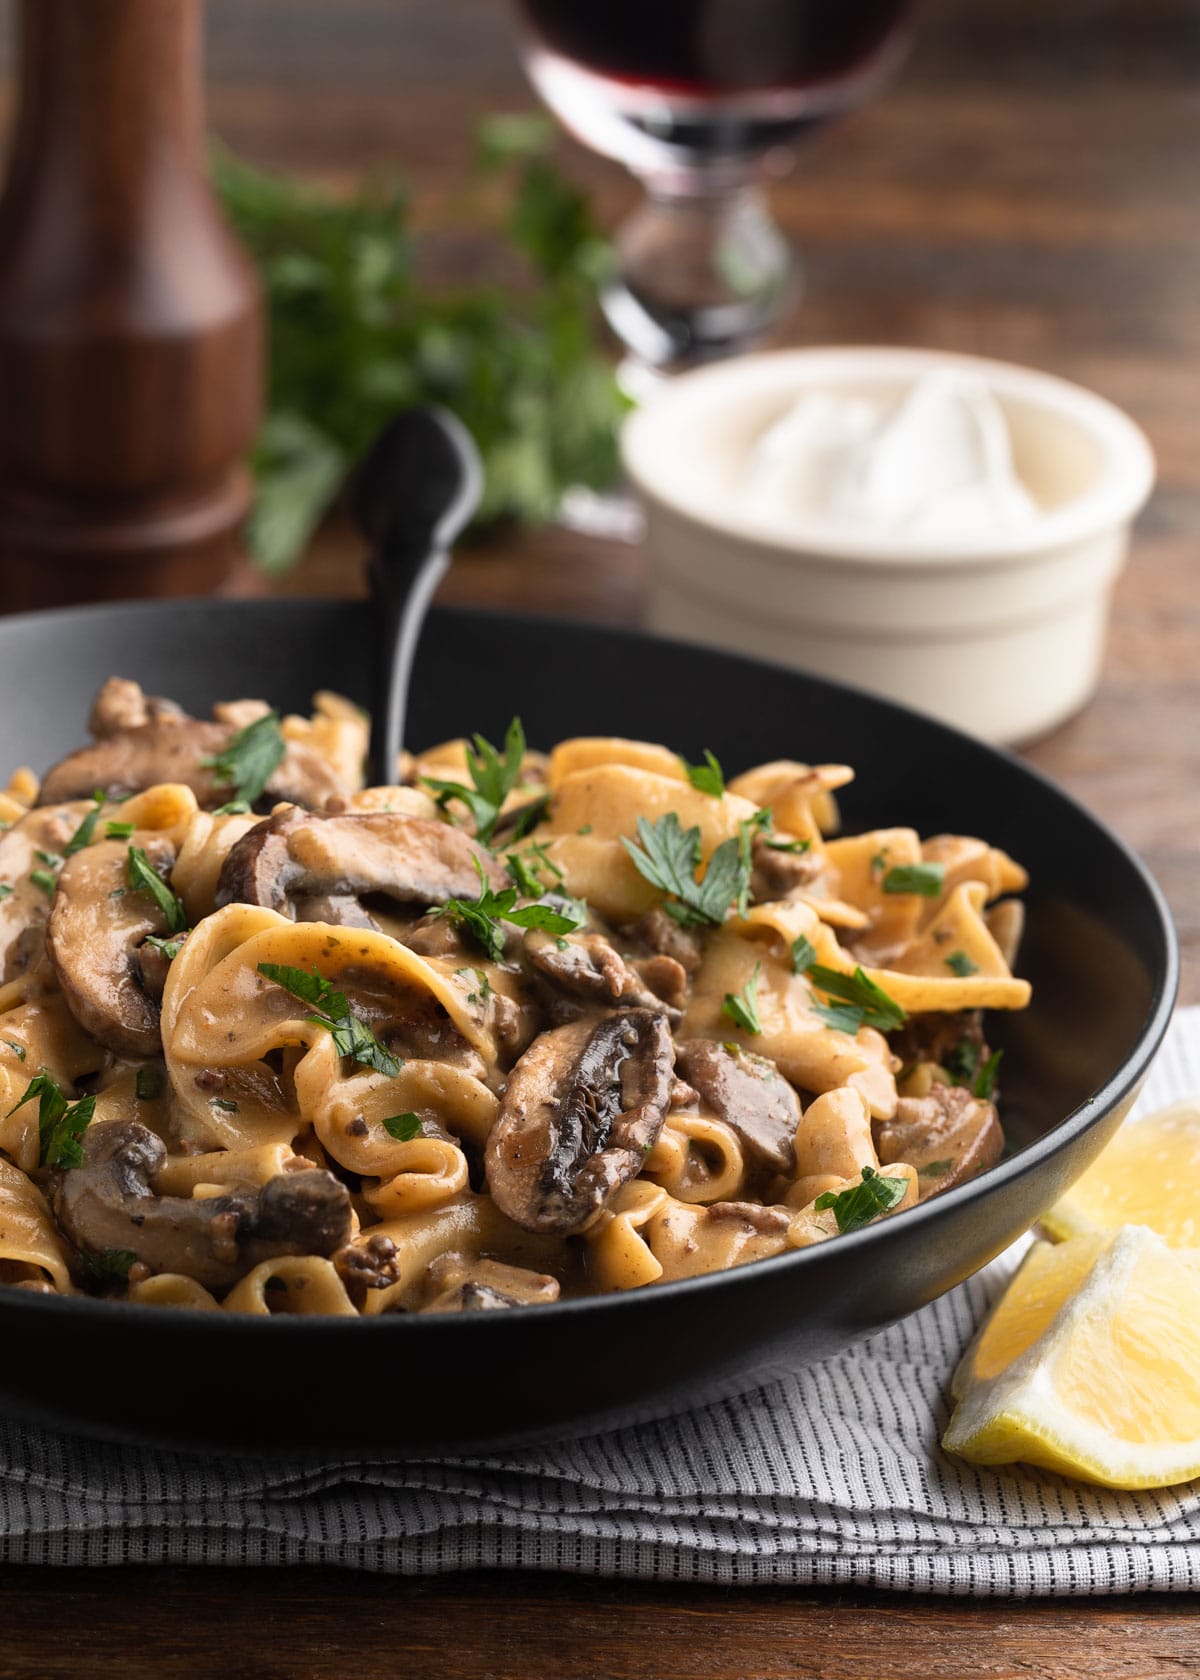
(703, 271)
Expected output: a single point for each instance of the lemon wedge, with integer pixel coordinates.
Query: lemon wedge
(1090, 1365)
(1147, 1175)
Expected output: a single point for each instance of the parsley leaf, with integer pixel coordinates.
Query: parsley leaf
(927, 879)
(249, 759)
(235, 808)
(144, 878)
(742, 1007)
(403, 1127)
(859, 1204)
(804, 955)
(108, 1265)
(797, 846)
(482, 916)
(866, 1000)
(960, 963)
(962, 1063)
(707, 777)
(985, 1080)
(226, 1104)
(530, 867)
(170, 948)
(86, 832)
(18, 1050)
(668, 855)
(493, 777)
(5, 889)
(61, 1124)
(45, 880)
(351, 1036)
(118, 830)
(148, 1083)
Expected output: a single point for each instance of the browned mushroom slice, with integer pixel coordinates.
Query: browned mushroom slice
(481, 1285)
(122, 705)
(777, 874)
(372, 1262)
(581, 1111)
(295, 857)
(661, 935)
(141, 742)
(948, 1136)
(749, 1094)
(587, 968)
(109, 1203)
(94, 939)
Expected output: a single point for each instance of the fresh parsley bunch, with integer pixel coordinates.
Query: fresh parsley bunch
(355, 335)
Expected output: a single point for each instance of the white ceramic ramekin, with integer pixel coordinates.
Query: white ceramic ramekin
(1001, 635)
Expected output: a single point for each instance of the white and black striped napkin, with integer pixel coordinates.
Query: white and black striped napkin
(833, 1474)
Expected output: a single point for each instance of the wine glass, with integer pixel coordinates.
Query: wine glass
(702, 100)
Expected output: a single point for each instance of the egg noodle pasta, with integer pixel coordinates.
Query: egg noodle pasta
(518, 1027)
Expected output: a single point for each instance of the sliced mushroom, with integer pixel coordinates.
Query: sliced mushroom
(122, 705)
(776, 874)
(581, 1111)
(24, 904)
(296, 857)
(948, 1136)
(141, 742)
(467, 1285)
(661, 935)
(97, 928)
(372, 1262)
(586, 968)
(749, 1094)
(109, 1203)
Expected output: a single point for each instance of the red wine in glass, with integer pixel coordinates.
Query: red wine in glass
(699, 98)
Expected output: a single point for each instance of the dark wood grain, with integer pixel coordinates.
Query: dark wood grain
(158, 1624)
(1027, 190)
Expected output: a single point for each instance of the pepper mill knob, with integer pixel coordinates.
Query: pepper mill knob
(130, 320)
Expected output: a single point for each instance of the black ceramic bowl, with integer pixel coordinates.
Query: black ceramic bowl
(1099, 950)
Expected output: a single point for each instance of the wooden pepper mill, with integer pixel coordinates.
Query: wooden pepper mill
(130, 322)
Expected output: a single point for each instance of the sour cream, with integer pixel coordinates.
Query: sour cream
(939, 462)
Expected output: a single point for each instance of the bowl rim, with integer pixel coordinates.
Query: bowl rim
(653, 434)
(1122, 1083)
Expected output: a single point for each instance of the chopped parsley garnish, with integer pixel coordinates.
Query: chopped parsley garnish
(493, 778)
(707, 777)
(804, 955)
(960, 963)
(985, 1080)
(859, 1204)
(5, 889)
(963, 1066)
(148, 1084)
(45, 880)
(170, 948)
(351, 1036)
(747, 829)
(18, 1050)
(52, 860)
(482, 916)
(528, 817)
(61, 1124)
(86, 832)
(742, 1007)
(403, 1127)
(879, 862)
(795, 846)
(118, 830)
(236, 808)
(668, 855)
(927, 879)
(529, 868)
(144, 878)
(249, 759)
(108, 1265)
(483, 986)
(935, 1169)
(861, 1002)
(229, 1106)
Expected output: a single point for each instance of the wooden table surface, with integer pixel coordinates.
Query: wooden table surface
(1027, 190)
